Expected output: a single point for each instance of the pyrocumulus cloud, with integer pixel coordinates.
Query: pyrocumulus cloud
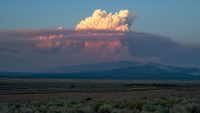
(102, 20)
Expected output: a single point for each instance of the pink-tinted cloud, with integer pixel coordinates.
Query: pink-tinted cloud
(36, 49)
(91, 42)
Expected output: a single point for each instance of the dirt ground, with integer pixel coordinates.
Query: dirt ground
(51, 89)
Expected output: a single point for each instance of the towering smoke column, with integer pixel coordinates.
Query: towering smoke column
(101, 20)
(97, 43)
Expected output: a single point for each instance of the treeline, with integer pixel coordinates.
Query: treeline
(161, 84)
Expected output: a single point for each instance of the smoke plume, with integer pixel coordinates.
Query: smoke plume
(102, 20)
(109, 43)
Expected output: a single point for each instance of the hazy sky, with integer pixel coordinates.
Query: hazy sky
(178, 19)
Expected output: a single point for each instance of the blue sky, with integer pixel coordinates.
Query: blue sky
(178, 19)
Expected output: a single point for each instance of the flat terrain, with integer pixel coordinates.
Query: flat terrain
(52, 89)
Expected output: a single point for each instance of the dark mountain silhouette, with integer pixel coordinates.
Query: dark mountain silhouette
(116, 70)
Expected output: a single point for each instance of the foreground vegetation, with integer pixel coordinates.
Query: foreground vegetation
(89, 105)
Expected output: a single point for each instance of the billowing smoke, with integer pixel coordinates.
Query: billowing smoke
(102, 20)
(35, 49)
(109, 43)
(103, 37)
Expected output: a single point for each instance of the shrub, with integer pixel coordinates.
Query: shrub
(85, 109)
(105, 108)
(193, 108)
(59, 103)
(161, 109)
(42, 108)
(178, 109)
(131, 104)
(148, 107)
(26, 110)
(172, 102)
(88, 99)
(71, 110)
(88, 105)
(146, 112)
(130, 111)
(97, 104)
(118, 104)
(4, 108)
(116, 111)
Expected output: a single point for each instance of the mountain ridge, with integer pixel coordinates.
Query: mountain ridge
(115, 70)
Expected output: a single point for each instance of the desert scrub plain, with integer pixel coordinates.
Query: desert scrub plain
(89, 105)
(98, 96)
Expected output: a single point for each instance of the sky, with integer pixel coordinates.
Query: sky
(157, 31)
(178, 19)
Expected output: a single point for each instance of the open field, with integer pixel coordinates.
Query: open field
(98, 96)
(88, 105)
(51, 89)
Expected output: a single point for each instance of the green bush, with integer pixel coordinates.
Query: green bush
(105, 109)
(132, 104)
(172, 102)
(148, 107)
(116, 111)
(161, 109)
(70, 110)
(26, 110)
(97, 104)
(193, 107)
(4, 108)
(179, 109)
(159, 105)
(118, 104)
(86, 109)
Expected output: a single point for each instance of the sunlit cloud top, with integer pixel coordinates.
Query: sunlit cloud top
(102, 20)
